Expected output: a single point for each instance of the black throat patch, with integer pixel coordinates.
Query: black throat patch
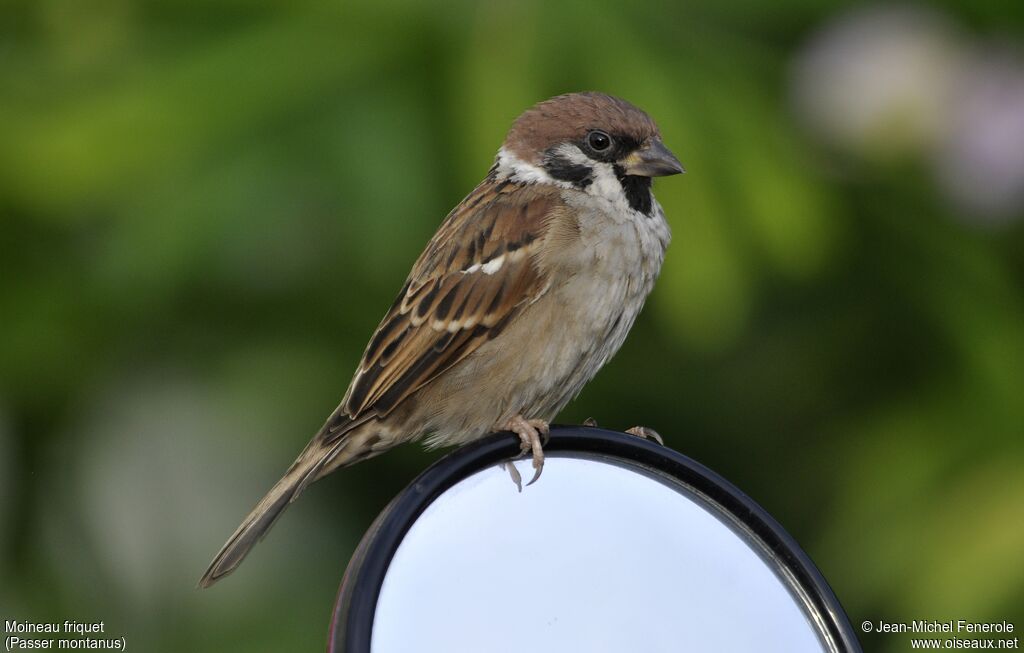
(637, 190)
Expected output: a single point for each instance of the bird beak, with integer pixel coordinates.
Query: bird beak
(652, 160)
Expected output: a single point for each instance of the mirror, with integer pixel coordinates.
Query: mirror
(630, 547)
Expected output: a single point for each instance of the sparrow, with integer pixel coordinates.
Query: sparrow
(527, 289)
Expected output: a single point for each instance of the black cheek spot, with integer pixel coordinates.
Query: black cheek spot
(577, 174)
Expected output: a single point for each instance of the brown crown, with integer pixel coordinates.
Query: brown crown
(569, 117)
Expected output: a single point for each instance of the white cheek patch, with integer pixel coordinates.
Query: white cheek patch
(573, 154)
(606, 184)
(512, 167)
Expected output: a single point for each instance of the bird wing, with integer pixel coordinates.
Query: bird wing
(476, 275)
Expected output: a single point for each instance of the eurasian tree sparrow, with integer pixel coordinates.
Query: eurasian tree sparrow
(529, 286)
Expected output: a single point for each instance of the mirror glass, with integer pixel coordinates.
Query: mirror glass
(599, 554)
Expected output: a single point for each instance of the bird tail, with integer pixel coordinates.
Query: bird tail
(318, 459)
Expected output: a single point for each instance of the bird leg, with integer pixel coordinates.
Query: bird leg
(530, 432)
(646, 433)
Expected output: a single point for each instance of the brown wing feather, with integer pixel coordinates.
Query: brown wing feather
(476, 274)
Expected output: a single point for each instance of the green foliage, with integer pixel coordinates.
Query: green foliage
(207, 207)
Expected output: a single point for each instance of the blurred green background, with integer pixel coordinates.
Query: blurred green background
(207, 207)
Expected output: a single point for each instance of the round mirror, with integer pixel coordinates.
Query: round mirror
(622, 545)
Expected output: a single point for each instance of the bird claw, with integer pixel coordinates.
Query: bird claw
(537, 469)
(533, 434)
(646, 433)
(517, 478)
(590, 421)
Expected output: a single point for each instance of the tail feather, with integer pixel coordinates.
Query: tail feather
(316, 461)
(254, 527)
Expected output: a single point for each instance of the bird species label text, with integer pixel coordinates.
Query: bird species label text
(60, 635)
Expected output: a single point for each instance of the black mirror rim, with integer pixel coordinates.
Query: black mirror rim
(352, 621)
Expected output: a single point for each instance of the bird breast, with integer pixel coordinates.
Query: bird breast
(599, 279)
(607, 274)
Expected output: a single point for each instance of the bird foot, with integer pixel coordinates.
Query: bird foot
(533, 433)
(590, 421)
(646, 433)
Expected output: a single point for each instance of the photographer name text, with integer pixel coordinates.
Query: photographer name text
(931, 626)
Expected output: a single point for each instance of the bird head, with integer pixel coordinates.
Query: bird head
(592, 142)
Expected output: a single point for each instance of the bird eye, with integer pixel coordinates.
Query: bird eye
(599, 141)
